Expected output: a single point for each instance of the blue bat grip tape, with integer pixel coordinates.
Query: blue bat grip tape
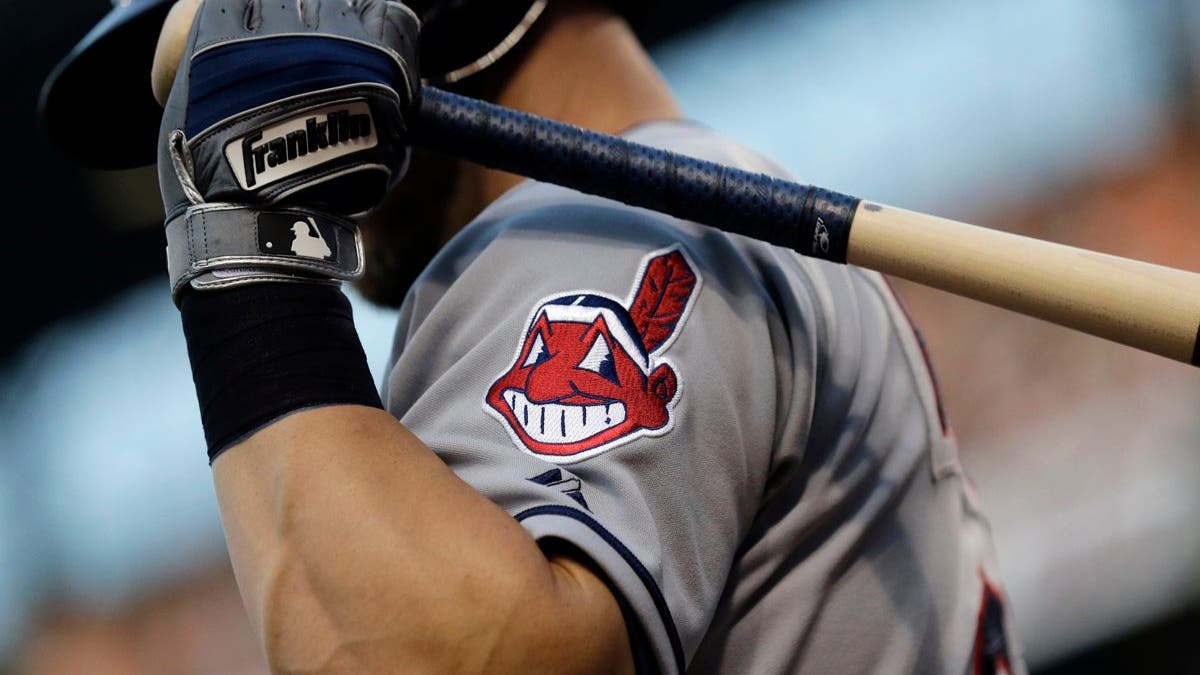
(808, 219)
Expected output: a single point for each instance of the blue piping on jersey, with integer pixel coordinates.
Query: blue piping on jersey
(660, 603)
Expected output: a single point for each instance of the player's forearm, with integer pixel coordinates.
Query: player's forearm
(357, 550)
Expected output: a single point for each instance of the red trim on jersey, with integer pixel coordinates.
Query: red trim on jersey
(983, 660)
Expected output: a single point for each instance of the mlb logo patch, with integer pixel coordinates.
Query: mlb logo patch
(294, 235)
(588, 374)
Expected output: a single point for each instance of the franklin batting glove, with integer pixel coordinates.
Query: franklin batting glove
(285, 126)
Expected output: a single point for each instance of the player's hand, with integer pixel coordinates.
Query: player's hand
(284, 126)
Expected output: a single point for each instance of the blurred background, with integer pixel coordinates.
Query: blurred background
(1076, 121)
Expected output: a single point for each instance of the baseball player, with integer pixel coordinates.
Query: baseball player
(609, 441)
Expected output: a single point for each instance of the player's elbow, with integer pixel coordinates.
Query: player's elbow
(297, 633)
(558, 617)
(319, 618)
(312, 623)
(571, 623)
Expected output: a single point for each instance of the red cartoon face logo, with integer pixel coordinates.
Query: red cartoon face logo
(586, 377)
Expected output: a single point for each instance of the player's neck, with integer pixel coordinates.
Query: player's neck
(585, 68)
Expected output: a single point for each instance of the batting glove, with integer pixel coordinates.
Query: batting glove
(284, 128)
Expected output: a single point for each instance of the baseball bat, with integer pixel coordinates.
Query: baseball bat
(1146, 306)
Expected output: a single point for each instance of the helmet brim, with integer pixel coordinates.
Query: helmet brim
(97, 103)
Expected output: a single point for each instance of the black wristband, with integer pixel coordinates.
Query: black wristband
(262, 351)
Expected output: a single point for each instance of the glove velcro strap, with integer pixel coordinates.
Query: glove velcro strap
(213, 246)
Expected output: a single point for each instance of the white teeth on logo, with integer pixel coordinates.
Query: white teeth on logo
(555, 423)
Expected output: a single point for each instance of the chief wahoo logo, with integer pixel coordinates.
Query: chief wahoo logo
(588, 375)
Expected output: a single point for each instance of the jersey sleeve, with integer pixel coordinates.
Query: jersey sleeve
(610, 378)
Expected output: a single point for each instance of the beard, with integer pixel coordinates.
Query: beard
(438, 196)
(403, 234)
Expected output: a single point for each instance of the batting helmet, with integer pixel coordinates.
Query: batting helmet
(112, 63)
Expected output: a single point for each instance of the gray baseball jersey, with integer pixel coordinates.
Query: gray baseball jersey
(748, 443)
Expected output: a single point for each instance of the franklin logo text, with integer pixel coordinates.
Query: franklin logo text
(300, 143)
